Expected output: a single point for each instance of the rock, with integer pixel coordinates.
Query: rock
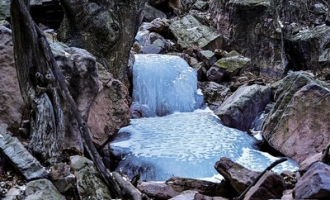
(158, 25)
(240, 109)
(150, 13)
(14, 193)
(20, 158)
(232, 64)
(80, 71)
(5, 10)
(215, 74)
(110, 108)
(214, 94)
(269, 186)
(287, 195)
(42, 189)
(157, 190)
(186, 195)
(304, 165)
(204, 197)
(201, 5)
(63, 184)
(59, 170)
(89, 183)
(12, 105)
(201, 186)
(188, 32)
(237, 175)
(207, 56)
(298, 114)
(46, 12)
(305, 48)
(315, 183)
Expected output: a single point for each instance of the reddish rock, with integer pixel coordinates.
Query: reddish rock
(110, 109)
(315, 183)
(11, 102)
(157, 189)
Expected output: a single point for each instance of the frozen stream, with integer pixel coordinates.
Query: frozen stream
(185, 144)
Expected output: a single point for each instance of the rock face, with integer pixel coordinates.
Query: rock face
(12, 105)
(4, 9)
(21, 159)
(190, 32)
(237, 175)
(110, 108)
(298, 124)
(240, 109)
(89, 184)
(315, 183)
(42, 189)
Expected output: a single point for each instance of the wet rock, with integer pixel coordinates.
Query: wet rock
(110, 108)
(269, 186)
(20, 158)
(188, 31)
(157, 190)
(12, 105)
(305, 48)
(214, 93)
(300, 112)
(150, 13)
(240, 109)
(42, 189)
(315, 183)
(237, 175)
(89, 184)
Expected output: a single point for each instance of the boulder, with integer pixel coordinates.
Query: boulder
(80, 71)
(188, 32)
(42, 189)
(186, 195)
(19, 157)
(110, 108)
(89, 183)
(241, 108)
(214, 93)
(237, 175)
(269, 186)
(232, 63)
(307, 50)
(215, 74)
(297, 126)
(12, 105)
(315, 183)
(150, 13)
(158, 190)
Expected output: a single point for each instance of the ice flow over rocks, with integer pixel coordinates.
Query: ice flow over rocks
(185, 144)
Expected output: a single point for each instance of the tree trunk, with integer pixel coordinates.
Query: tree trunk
(105, 28)
(56, 123)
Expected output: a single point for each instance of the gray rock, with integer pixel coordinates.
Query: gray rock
(4, 9)
(150, 13)
(190, 32)
(186, 195)
(21, 159)
(63, 184)
(240, 109)
(300, 111)
(42, 189)
(157, 190)
(201, 5)
(215, 74)
(237, 175)
(89, 184)
(315, 183)
(269, 186)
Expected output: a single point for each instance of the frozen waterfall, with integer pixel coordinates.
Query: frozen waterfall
(164, 84)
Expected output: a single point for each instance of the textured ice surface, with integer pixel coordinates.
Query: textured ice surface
(185, 145)
(163, 84)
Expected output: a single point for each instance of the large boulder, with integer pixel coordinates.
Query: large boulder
(240, 109)
(315, 183)
(188, 32)
(12, 105)
(89, 184)
(298, 124)
(110, 108)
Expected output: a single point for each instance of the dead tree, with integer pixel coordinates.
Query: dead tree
(56, 123)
